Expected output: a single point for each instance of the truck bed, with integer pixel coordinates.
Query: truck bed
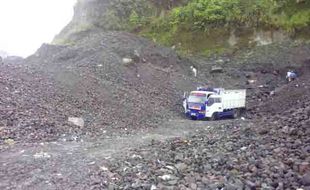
(233, 99)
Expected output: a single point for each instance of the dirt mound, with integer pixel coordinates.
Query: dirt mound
(90, 80)
(114, 92)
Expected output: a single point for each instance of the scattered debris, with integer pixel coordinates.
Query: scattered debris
(42, 155)
(243, 148)
(216, 69)
(166, 177)
(153, 187)
(127, 60)
(251, 81)
(9, 141)
(103, 168)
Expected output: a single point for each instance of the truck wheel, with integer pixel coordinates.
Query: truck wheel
(242, 112)
(213, 117)
(236, 113)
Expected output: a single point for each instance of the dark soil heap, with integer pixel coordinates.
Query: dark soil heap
(91, 80)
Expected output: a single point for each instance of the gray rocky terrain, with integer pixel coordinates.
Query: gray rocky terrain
(104, 111)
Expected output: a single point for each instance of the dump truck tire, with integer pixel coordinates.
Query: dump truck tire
(214, 117)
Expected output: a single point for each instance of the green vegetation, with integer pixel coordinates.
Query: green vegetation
(200, 26)
(207, 14)
(205, 21)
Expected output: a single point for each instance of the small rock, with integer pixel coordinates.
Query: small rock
(166, 177)
(9, 141)
(205, 180)
(42, 155)
(179, 157)
(285, 129)
(216, 69)
(103, 168)
(277, 150)
(232, 187)
(153, 187)
(127, 60)
(305, 180)
(170, 168)
(76, 121)
(193, 186)
(181, 167)
(251, 184)
(251, 81)
(304, 167)
(135, 156)
(220, 61)
(263, 131)
(243, 148)
(173, 182)
(253, 168)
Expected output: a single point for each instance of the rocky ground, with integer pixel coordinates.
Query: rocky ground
(133, 135)
(269, 152)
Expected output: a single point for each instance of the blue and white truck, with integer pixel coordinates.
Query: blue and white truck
(214, 103)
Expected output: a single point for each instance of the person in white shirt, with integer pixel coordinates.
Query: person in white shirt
(290, 75)
(194, 69)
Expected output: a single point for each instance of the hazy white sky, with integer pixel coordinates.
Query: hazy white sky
(26, 24)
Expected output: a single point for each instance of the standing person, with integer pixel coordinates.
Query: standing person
(185, 102)
(194, 70)
(291, 75)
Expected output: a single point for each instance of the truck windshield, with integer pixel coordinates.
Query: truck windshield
(197, 99)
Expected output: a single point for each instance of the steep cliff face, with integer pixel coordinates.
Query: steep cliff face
(112, 15)
(102, 15)
(86, 13)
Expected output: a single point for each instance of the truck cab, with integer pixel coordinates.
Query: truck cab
(197, 103)
(214, 103)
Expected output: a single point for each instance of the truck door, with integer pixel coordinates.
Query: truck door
(214, 105)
